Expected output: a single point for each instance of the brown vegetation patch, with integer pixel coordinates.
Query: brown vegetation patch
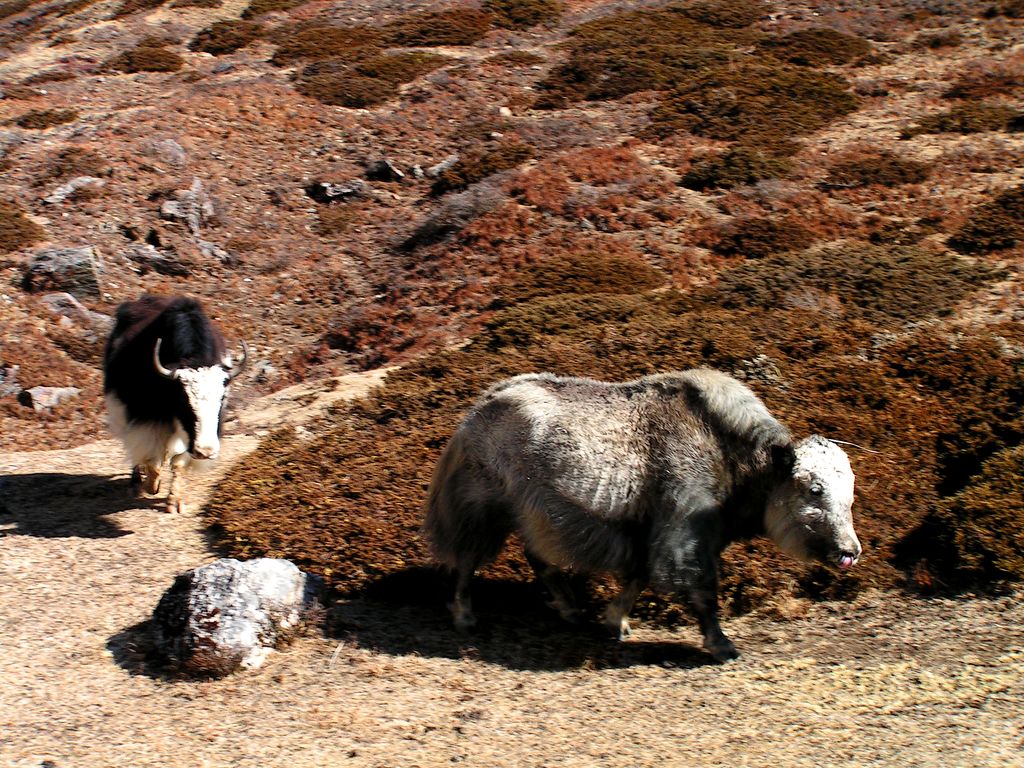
(463, 26)
(146, 58)
(226, 37)
(16, 229)
(523, 14)
(40, 119)
(722, 13)
(75, 161)
(877, 167)
(969, 118)
(816, 47)
(635, 51)
(367, 83)
(516, 59)
(742, 164)
(756, 238)
(592, 271)
(986, 520)
(989, 77)
(482, 161)
(878, 283)
(320, 42)
(134, 6)
(755, 103)
(49, 76)
(10, 8)
(260, 7)
(401, 67)
(334, 220)
(994, 226)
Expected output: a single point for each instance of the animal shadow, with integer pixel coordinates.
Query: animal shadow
(57, 505)
(405, 614)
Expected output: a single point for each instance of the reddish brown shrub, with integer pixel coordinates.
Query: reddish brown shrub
(260, 7)
(544, 187)
(144, 58)
(320, 42)
(480, 162)
(816, 47)
(989, 77)
(877, 167)
(463, 26)
(757, 238)
(969, 118)
(226, 37)
(994, 226)
(16, 229)
(41, 119)
(523, 14)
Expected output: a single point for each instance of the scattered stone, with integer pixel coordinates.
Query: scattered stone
(213, 251)
(74, 270)
(417, 172)
(326, 192)
(192, 206)
(436, 170)
(150, 258)
(44, 398)
(169, 151)
(64, 191)
(223, 67)
(384, 170)
(9, 380)
(69, 308)
(230, 614)
(504, 111)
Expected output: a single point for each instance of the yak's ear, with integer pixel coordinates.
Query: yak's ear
(783, 459)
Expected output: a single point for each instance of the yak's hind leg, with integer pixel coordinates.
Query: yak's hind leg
(616, 616)
(563, 597)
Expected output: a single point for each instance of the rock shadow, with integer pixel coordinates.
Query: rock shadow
(133, 651)
(58, 505)
(405, 614)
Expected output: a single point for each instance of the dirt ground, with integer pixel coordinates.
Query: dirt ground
(885, 680)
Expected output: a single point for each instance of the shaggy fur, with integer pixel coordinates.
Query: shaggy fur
(647, 479)
(163, 419)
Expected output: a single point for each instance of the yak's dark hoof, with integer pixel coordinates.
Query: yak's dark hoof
(722, 651)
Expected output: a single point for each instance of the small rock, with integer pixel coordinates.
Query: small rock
(230, 614)
(74, 270)
(326, 192)
(436, 170)
(44, 398)
(169, 151)
(417, 172)
(162, 262)
(64, 191)
(213, 251)
(9, 380)
(504, 111)
(223, 67)
(69, 308)
(384, 170)
(192, 206)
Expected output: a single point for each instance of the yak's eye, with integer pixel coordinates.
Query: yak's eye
(816, 489)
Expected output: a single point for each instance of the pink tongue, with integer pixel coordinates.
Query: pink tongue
(846, 562)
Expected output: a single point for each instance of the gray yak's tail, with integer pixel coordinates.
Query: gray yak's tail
(465, 522)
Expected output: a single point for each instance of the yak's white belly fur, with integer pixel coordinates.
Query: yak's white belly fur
(146, 444)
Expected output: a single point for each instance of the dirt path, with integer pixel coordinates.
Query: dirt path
(883, 681)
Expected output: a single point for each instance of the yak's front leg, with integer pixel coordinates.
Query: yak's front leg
(174, 502)
(685, 560)
(703, 600)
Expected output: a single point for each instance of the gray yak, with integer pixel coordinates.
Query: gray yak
(647, 479)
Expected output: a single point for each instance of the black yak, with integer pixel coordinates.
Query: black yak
(647, 479)
(166, 376)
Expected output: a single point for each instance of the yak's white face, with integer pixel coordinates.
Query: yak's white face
(809, 514)
(206, 389)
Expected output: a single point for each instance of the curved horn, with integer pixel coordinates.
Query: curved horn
(242, 364)
(167, 373)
